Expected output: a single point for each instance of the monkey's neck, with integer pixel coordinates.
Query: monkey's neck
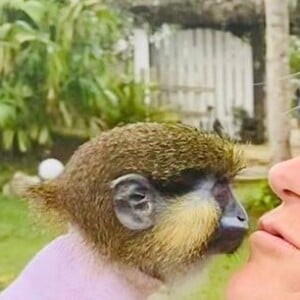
(140, 283)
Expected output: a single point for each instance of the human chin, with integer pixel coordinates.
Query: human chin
(245, 283)
(272, 270)
(265, 279)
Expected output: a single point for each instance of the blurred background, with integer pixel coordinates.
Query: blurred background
(70, 69)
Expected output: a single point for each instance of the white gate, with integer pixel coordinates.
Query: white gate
(204, 73)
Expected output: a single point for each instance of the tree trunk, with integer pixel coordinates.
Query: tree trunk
(277, 68)
(259, 76)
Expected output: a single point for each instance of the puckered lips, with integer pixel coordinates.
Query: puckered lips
(275, 234)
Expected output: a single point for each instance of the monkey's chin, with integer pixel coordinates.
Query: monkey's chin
(226, 241)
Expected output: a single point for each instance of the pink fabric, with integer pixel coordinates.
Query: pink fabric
(65, 270)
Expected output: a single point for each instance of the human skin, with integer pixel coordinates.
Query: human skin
(273, 268)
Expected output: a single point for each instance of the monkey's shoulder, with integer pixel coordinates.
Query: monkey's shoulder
(62, 271)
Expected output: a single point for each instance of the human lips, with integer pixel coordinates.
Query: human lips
(273, 232)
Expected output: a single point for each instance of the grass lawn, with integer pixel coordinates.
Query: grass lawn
(20, 240)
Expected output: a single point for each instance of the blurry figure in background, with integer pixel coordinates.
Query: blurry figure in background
(207, 121)
(48, 169)
(218, 127)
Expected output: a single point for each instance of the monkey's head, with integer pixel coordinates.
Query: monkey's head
(153, 196)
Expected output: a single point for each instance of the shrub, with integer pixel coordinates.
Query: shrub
(60, 72)
(263, 202)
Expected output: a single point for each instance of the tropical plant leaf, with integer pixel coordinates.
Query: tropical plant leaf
(34, 9)
(7, 114)
(66, 114)
(8, 138)
(34, 132)
(23, 140)
(60, 72)
(44, 136)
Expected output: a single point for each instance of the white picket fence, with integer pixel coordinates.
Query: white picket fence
(197, 70)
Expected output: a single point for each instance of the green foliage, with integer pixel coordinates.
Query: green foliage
(19, 239)
(294, 54)
(60, 72)
(126, 102)
(263, 201)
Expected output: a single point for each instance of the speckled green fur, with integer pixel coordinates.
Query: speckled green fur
(158, 151)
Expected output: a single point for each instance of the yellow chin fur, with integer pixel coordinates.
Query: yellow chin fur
(187, 226)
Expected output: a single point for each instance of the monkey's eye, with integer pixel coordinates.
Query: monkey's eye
(137, 197)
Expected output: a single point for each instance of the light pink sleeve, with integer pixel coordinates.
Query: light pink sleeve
(60, 272)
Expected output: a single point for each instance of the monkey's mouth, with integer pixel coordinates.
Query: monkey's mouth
(226, 241)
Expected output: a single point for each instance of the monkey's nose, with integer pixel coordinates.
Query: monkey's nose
(232, 230)
(235, 217)
(242, 218)
(234, 222)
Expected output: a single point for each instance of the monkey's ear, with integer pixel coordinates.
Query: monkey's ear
(134, 199)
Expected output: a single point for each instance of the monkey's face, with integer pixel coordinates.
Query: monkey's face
(154, 196)
(178, 222)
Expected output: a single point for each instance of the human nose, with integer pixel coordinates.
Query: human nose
(284, 179)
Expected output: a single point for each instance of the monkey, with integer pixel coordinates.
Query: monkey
(148, 203)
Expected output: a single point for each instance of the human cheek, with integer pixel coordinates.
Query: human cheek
(291, 223)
